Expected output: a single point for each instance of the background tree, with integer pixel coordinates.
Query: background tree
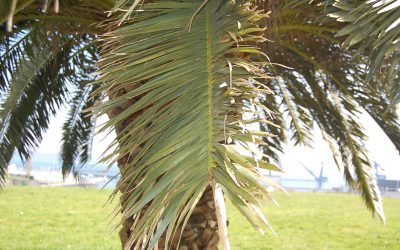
(47, 59)
(324, 86)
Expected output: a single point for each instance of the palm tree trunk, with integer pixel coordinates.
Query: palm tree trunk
(201, 230)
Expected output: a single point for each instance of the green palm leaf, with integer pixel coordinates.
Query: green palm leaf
(28, 102)
(78, 131)
(13, 49)
(36, 84)
(191, 103)
(324, 88)
(373, 27)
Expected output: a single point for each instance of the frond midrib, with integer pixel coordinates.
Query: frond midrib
(209, 88)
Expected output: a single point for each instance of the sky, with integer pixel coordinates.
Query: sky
(381, 150)
(51, 141)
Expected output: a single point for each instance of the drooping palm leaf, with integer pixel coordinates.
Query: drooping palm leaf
(78, 131)
(191, 103)
(373, 27)
(30, 100)
(323, 85)
(35, 84)
(79, 15)
(13, 49)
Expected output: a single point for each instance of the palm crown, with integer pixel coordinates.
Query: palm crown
(176, 78)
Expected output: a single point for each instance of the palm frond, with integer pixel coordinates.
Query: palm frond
(273, 144)
(33, 96)
(184, 95)
(354, 154)
(78, 130)
(300, 122)
(73, 17)
(34, 84)
(13, 49)
(373, 27)
(322, 83)
(37, 86)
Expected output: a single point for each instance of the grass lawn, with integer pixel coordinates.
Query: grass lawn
(74, 218)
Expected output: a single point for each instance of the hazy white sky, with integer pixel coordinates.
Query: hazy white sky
(381, 150)
(51, 141)
(379, 146)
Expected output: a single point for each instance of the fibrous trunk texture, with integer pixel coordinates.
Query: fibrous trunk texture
(201, 230)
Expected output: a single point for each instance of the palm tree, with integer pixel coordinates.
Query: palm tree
(323, 85)
(175, 79)
(35, 84)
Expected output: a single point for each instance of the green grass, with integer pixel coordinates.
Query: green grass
(55, 218)
(73, 218)
(320, 221)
